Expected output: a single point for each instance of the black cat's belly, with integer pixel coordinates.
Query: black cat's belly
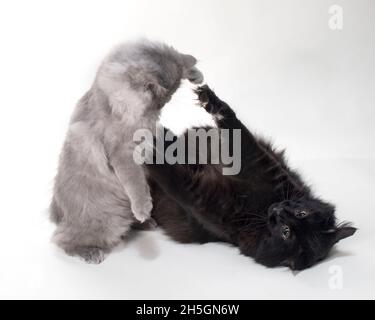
(266, 209)
(230, 205)
(176, 221)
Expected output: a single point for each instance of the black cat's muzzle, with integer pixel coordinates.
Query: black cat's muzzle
(276, 217)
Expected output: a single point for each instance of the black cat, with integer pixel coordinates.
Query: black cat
(266, 209)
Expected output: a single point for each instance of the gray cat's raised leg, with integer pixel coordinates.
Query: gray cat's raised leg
(194, 76)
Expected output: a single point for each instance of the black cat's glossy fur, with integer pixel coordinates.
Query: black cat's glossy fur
(266, 209)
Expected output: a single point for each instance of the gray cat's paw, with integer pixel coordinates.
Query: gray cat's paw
(143, 212)
(91, 255)
(195, 76)
(149, 224)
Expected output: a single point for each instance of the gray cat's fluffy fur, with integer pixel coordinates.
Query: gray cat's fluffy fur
(100, 192)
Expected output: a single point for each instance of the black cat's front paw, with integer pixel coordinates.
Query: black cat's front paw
(204, 94)
(208, 100)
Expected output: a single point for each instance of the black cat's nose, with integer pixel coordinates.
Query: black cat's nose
(275, 215)
(275, 210)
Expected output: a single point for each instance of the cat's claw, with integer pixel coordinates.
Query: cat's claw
(206, 99)
(212, 104)
(204, 94)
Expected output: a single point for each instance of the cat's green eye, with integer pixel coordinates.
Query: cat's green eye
(301, 213)
(285, 232)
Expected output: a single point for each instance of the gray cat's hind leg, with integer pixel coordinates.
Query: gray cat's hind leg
(90, 255)
(94, 240)
(89, 248)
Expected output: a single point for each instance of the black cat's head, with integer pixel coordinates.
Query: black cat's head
(301, 233)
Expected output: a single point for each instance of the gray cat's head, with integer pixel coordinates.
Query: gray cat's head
(167, 67)
(145, 75)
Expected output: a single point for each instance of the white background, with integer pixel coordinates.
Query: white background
(284, 71)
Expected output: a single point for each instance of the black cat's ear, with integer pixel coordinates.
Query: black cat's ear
(343, 232)
(189, 61)
(340, 232)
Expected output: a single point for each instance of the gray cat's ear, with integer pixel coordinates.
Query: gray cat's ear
(343, 232)
(156, 89)
(189, 60)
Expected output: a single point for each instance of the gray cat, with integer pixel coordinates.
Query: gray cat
(100, 192)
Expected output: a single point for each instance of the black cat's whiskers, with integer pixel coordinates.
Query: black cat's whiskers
(255, 214)
(289, 194)
(283, 193)
(253, 218)
(286, 184)
(280, 188)
(290, 190)
(252, 227)
(253, 222)
(298, 193)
